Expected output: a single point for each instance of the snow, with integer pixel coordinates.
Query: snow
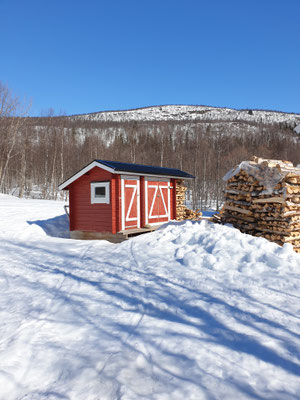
(297, 129)
(191, 311)
(190, 113)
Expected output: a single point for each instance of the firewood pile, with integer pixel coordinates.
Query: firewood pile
(262, 198)
(182, 212)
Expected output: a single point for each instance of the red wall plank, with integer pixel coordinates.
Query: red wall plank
(85, 216)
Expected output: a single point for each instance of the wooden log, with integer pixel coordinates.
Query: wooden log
(239, 202)
(270, 200)
(290, 239)
(277, 232)
(240, 217)
(237, 209)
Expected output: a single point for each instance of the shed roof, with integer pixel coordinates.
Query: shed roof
(144, 169)
(117, 167)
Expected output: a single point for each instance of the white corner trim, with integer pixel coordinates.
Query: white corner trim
(123, 204)
(146, 201)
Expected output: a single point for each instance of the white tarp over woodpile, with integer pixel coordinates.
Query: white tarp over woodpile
(268, 172)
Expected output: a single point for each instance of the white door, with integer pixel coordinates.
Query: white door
(157, 200)
(130, 194)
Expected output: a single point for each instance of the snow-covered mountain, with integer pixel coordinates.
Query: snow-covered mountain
(192, 113)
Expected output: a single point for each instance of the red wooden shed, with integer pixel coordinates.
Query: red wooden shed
(111, 200)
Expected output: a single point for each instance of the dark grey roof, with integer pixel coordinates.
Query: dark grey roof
(144, 169)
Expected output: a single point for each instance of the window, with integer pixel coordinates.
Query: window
(100, 192)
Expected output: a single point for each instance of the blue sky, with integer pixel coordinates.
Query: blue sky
(87, 56)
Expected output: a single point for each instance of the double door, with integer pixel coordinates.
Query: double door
(156, 203)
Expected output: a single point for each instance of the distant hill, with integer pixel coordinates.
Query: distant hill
(192, 113)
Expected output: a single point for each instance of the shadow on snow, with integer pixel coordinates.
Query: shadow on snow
(55, 227)
(150, 300)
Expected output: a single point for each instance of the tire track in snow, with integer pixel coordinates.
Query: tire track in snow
(57, 289)
(136, 322)
(142, 348)
(140, 306)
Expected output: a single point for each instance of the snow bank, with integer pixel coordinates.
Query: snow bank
(193, 310)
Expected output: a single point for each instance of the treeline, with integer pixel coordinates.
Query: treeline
(37, 154)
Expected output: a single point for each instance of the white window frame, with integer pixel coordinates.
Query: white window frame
(97, 200)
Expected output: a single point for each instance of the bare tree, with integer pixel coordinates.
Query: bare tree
(12, 118)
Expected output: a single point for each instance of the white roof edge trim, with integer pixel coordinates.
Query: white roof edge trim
(99, 165)
(153, 175)
(84, 171)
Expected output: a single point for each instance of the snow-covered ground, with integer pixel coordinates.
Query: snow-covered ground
(191, 311)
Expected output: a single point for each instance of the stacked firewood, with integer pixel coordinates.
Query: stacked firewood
(182, 212)
(262, 198)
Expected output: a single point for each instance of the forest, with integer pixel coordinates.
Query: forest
(39, 153)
